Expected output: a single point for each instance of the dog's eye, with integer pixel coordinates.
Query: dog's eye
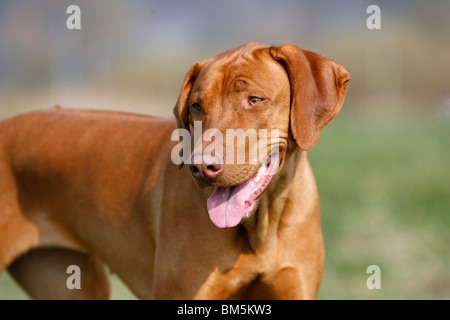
(197, 107)
(254, 100)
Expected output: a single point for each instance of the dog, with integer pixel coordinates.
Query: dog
(93, 188)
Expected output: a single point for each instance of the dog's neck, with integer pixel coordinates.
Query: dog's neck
(262, 227)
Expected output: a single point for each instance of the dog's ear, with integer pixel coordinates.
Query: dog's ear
(181, 109)
(318, 87)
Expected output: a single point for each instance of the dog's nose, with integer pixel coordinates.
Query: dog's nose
(212, 170)
(206, 168)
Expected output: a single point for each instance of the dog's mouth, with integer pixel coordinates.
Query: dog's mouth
(227, 206)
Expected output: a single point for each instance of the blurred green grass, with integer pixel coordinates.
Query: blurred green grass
(384, 185)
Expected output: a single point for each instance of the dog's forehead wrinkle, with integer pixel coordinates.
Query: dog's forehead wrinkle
(220, 71)
(240, 84)
(243, 72)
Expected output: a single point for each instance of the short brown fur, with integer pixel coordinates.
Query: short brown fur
(92, 188)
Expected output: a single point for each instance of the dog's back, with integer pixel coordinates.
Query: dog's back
(56, 186)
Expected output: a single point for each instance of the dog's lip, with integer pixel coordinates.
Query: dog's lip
(261, 180)
(227, 206)
(260, 175)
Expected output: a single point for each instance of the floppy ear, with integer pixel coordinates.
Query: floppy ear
(181, 109)
(318, 87)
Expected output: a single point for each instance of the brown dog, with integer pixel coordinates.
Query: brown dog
(88, 188)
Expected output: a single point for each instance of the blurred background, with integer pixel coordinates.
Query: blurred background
(382, 166)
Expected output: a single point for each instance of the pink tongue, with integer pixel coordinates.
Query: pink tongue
(226, 206)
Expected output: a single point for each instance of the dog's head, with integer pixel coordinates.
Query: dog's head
(245, 109)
